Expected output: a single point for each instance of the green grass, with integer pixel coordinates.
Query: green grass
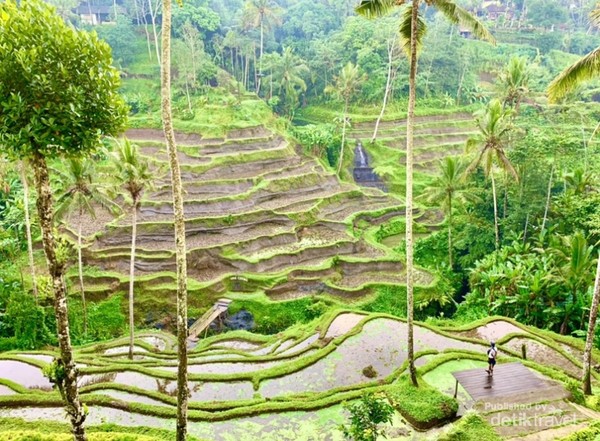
(441, 377)
(422, 406)
(471, 427)
(15, 429)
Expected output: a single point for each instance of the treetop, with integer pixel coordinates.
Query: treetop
(58, 88)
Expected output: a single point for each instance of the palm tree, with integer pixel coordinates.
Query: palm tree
(79, 192)
(183, 391)
(287, 70)
(494, 126)
(412, 31)
(514, 82)
(258, 14)
(344, 86)
(585, 69)
(577, 259)
(587, 355)
(448, 187)
(132, 174)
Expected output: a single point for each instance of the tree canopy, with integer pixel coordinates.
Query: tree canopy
(58, 89)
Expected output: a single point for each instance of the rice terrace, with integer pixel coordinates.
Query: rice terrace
(244, 220)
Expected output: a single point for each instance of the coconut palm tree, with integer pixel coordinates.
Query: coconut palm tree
(576, 261)
(448, 187)
(589, 341)
(412, 31)
(80, 193)
(183, 391)
(514, 82)
(258, 14)
(494, 126)
(286, 74)
(134, 176)
(344, 86)
(585, 69)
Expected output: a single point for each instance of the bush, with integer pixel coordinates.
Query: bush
(274, 317)
(590, 433)
(27, 321)
(365, 416)
(424, 407)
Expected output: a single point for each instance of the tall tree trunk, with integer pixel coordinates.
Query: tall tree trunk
(179, 221)
(587, 355)
(548, 194)
(152, 17)
(412, 98)
(80, 270)
(132, 275)
(505, 207)
(525, 229)
(56, 269)
(450, 260)
(144, 25)
(28, 229)
(341, 160)
(260, 56)
(496, 228)
(388, 87)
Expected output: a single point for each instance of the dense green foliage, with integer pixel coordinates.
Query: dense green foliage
(44, 92)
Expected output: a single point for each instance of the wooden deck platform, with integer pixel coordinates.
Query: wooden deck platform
(508, 379)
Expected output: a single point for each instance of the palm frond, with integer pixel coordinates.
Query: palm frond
(474, 164)
(583, 70)
(405, 30)
(506, 164)
(376, 8)
(595, 16)
(460, 16)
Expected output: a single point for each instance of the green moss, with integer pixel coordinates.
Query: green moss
(471, 427)
(422, 406)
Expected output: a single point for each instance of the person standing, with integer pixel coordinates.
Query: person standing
(492, 353)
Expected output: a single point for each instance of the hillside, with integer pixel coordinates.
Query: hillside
(260, 218)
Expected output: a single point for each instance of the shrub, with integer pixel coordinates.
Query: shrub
(590, 433)
(424, 406)
(365, 416)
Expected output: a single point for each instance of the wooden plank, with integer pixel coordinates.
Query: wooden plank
(508, 379)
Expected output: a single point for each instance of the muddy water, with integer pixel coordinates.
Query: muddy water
(24, 374)
(40, 357)
(543, 354)
(240, 345)
(301, 345)
(221, 391)
(159, 343)
(4, 390)
(130, 398)
(343, 324)
(493, 331)
(123, 350)
(381, 344)
(224, 368)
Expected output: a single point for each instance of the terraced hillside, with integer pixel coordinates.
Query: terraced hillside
(288, 387)
(259, 218)
(436, 136)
